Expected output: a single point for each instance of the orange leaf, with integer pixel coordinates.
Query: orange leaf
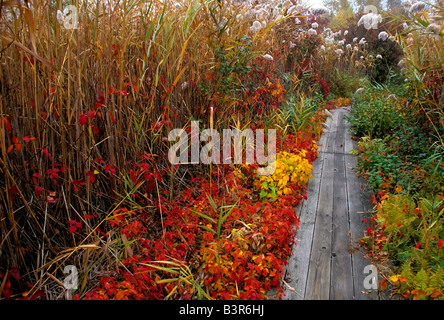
(436, 293)
(10, 148)
(18, 146)
(15, 139)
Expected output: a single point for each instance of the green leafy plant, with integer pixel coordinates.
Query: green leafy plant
(372, 114)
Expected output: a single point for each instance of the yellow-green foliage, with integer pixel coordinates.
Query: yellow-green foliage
(396, 212)
(290, 168)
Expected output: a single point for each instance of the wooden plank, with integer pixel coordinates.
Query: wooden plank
(341, 267)
(297, 268)
(318, 278)
(358, 203)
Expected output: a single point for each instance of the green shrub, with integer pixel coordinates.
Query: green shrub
(372, 114)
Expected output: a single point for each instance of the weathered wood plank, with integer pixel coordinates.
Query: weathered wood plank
(358, 204)
(297, 268)
(322, 265)
(318, 278)
(341, 268)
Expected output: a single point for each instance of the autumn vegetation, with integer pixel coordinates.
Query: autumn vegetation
(85, 114)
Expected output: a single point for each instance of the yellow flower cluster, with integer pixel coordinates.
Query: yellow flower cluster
(290, 168)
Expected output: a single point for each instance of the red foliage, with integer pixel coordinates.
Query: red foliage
(243, 262)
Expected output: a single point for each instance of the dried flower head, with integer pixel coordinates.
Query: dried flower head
(320, 11)
(417, 7)
(268, 57)
(312, 32)
(383, 35)
(370, 20)
(256, 27)
(433, 28)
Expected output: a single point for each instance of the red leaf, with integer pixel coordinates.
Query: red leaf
(18, 146)
(83, 120)
(15, 139)
(440, 243)
(92, 179)
(111, 89)
(38, 191)
(96, 130)
(5, 121)
(72, 229)
(10, 148)
(45, 151)
(418, 245)
(113, 119)
(90, 114)
(37, 175)
(28, 138)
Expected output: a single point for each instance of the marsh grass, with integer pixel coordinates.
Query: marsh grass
(86, 108)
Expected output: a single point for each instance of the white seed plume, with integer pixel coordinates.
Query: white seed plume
(320, 11)
(378, 56)
(383, 35)
(314, 25)
(256, 27)
(268, 57)
(433, 28)
(312, 32)
(417, 7)
(370, 20)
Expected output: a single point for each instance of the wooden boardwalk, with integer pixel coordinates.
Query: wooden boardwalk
(324, 265)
